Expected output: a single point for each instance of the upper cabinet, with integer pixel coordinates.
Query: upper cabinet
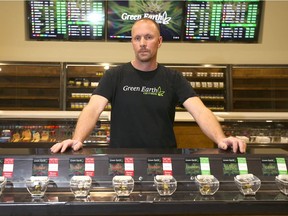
(209, 82)
(81, 80)
(30, 86)
(69, 86)
(260, 88)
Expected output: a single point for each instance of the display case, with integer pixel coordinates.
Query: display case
(262, 129)
(30, 86)
(143, 165)
(43, 129)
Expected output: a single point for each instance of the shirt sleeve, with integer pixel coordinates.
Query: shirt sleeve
(106, 86)
(183, 88)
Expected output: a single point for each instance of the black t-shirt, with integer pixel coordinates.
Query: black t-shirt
(143, 105)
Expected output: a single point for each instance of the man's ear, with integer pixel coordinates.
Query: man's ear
(160, 41)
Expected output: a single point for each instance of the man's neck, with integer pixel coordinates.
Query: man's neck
(144, 66)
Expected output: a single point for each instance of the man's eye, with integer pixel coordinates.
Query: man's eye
(148, 37)
(137, 38)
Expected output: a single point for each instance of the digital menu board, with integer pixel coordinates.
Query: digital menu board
(121, 15)
(222, 20)
(66, 20)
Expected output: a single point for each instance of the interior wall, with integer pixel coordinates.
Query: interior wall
(272, 49)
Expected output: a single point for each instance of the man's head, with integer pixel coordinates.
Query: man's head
(146, 40)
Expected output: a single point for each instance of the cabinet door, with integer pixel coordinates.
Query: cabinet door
(30, 86)
(260, 88)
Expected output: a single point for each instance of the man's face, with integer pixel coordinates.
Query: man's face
(145, 40)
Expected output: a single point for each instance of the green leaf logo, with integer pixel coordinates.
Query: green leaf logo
(160, 93)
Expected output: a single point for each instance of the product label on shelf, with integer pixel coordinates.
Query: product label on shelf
(159, 166)
(45, 167)
(197, 166)
(154, 166)
(230, 166)
(121, 166)
(269, 167)
(40, 167)
(81, 166)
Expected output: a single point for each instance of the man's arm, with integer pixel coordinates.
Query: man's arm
(210, 125)
(85, 124)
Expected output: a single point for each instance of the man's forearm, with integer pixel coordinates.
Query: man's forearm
(210, 126)
(85, 124)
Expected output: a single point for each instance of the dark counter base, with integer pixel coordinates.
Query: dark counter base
(181, 203)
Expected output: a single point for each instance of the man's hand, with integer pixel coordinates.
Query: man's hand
(69, 143)
(234, 143)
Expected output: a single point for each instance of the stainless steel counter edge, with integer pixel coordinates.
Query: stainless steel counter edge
(179, 116)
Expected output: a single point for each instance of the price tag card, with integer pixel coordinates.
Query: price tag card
(40, 167)
(230, 166)
(167, 166)
(269, 167)
(8, 167)
(242, 165)
(89, 167)
(154, 166)
(116, 166)
(76, 166)
(281, 164)
(53, 167)
(129, 166)
(205, 165)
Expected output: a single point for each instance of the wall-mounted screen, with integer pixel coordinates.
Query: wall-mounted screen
(122, 14)
(66, 20)
(222, 20)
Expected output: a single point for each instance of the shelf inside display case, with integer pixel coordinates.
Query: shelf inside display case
(42, 129)
(182, 164)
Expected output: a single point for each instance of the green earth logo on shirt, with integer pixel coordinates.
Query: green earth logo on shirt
(153, 91)
(145, 90)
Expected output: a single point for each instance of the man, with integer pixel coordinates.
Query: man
(143, 95)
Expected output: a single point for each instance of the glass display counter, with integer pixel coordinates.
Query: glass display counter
(102, 164)
(43, 128)
(266, 129)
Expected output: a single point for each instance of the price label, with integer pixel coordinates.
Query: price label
(281, 164)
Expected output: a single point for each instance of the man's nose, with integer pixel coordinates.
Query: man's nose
(142, 42)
